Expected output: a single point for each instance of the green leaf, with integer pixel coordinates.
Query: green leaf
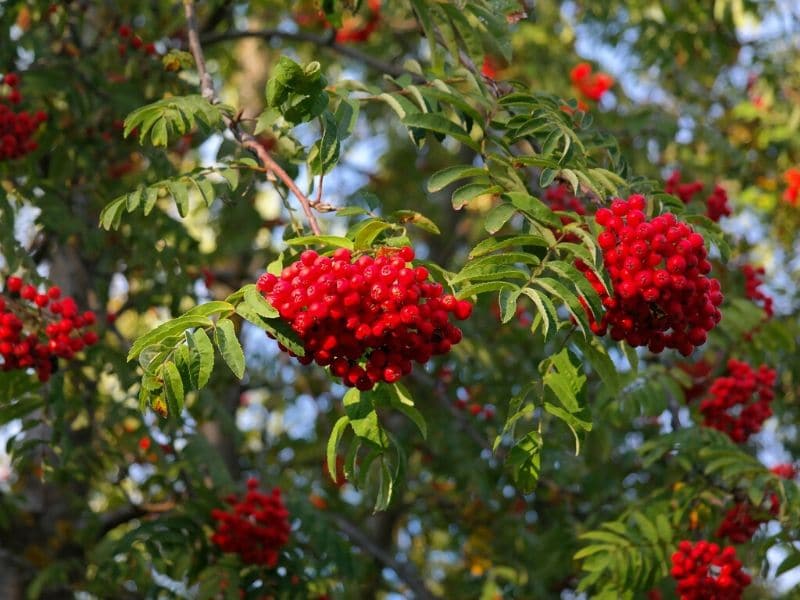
(524, 461)
(402, 401)
(321, 240)
(385, 487)
(201, 357)
(166, 330)
(325, 154)
(333, 443)
(255, 300)
(229, 347)
(441, 179)
(440, 124)
(173, 388)
(414, 218)
(498, 217)
(466, 193)
(493, 244)
(277, 328)
(363, 418)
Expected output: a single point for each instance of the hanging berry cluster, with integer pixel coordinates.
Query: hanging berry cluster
(256, 527)
(684, 191)
(792, 193)
(743, 520)
(753, 279)
(703, 570)
(561, 198)
(16, 128)
(590, 85)
(739, 403)
(38, 328)
(661, 297)
(716, 203)
(130, 39)
(367, 318)
(354, 28)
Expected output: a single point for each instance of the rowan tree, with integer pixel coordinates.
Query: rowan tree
(476, 299)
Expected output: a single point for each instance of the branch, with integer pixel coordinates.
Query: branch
(405, 571)
(325, 42)
(245, 139)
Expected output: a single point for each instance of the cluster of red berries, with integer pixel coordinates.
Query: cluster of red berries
(703, 570)
(38, 328)
(590, 85)
(661, 295)
(129, 39)
(739, 403)
(716, 203)
(560, 198)
(353, 29)
(16, 128)
(684, 191)
(785, 470)
(753, 279)
(256, 527)
(792, 193)
(366, 318)
(742, 521)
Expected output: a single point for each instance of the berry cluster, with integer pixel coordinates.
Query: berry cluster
(366, 318)
(739, 403)
(353, 29)
(16, 128)
(703, 570)
(255, 528)
(717, 204)
(753, 279)
(742, 521)
(561, 198)
(38, 328)
(590, 85)
(684, 191)
(785, 470)
(792, 192)
(130, 39)
(661, 295)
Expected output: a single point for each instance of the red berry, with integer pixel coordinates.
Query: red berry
(14, 284)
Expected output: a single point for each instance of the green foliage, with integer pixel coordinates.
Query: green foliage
(161, 121)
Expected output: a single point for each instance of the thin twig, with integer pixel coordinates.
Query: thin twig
(405, 571)
(245, 139)
(318, 199)
(325, 42)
